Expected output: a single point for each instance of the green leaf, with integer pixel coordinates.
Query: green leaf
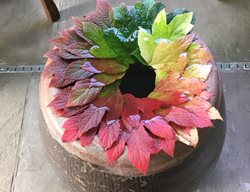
(109, 90)
(95, 34)
(180, 26)
(179, 11)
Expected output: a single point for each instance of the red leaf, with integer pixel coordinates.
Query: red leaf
(129, 108)
(167, 146)
(190, 117)
(116, 150)
(58, 80)
(78, 27)
(109, 133)
(88, 67)
(61, 99)
(51, 69)
(79, 49)
(114, 103)
(52, 54)
(87, 120)
(84, 92)
(70, 111)
(150, 106)
(70, 134)
(87, 137)
(140, 146)
(160, 127)
(75, 71)
(206, 95)
(67, 55)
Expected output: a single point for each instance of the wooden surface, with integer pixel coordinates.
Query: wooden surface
(24, 167)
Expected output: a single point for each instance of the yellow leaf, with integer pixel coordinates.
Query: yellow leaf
(214, 114)
(197, 71)
(190, 139)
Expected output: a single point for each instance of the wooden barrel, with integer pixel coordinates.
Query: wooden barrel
(87, 168)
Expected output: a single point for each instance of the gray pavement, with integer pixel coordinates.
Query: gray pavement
(25, 30)
(25, 168)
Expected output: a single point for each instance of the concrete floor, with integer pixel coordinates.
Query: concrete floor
(25, 168)
(25, 30)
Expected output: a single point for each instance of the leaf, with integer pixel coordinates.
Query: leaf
(150, 106)
(59, 81)
(140, 146)
(184, 85)
(214, 114)
(79, 49)
(75, 71)
(198, 56)
(197, 71)
(87, 137)
(167, 146)
(67, 55)
(109, 133)
(87, 120)
(109, 90)
(175, 12)
(159, 127)
(95, 34)
(206, 95)
(114, 103)
(108, 79)
(70, 111)
(116, 150)
(166, 54)
(189, 117)
(84, 92)
(147, 44)
(170, 98)
(108, 66)
(191, 138)
(102, 16)
(60, 100)
(129, 108)
(70, 134)
(180, 26)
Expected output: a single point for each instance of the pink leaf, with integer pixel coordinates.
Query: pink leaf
(116, 150)
(140, 146)
(167, 146)
(87, 137)
(160, 127)
(70, 134)
(109, 133)
(190, 117)
(87, 120)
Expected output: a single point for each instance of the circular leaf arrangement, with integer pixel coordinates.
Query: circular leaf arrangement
(89, 61)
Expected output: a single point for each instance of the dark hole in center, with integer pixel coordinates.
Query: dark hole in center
(139, 80)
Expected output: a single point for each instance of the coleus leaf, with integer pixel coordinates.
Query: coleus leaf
(116, 150)
(84, 92)
(87, 120)
(87, 137)
(189, 117)
(140, 146)
(159, 127)
(109, 133)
